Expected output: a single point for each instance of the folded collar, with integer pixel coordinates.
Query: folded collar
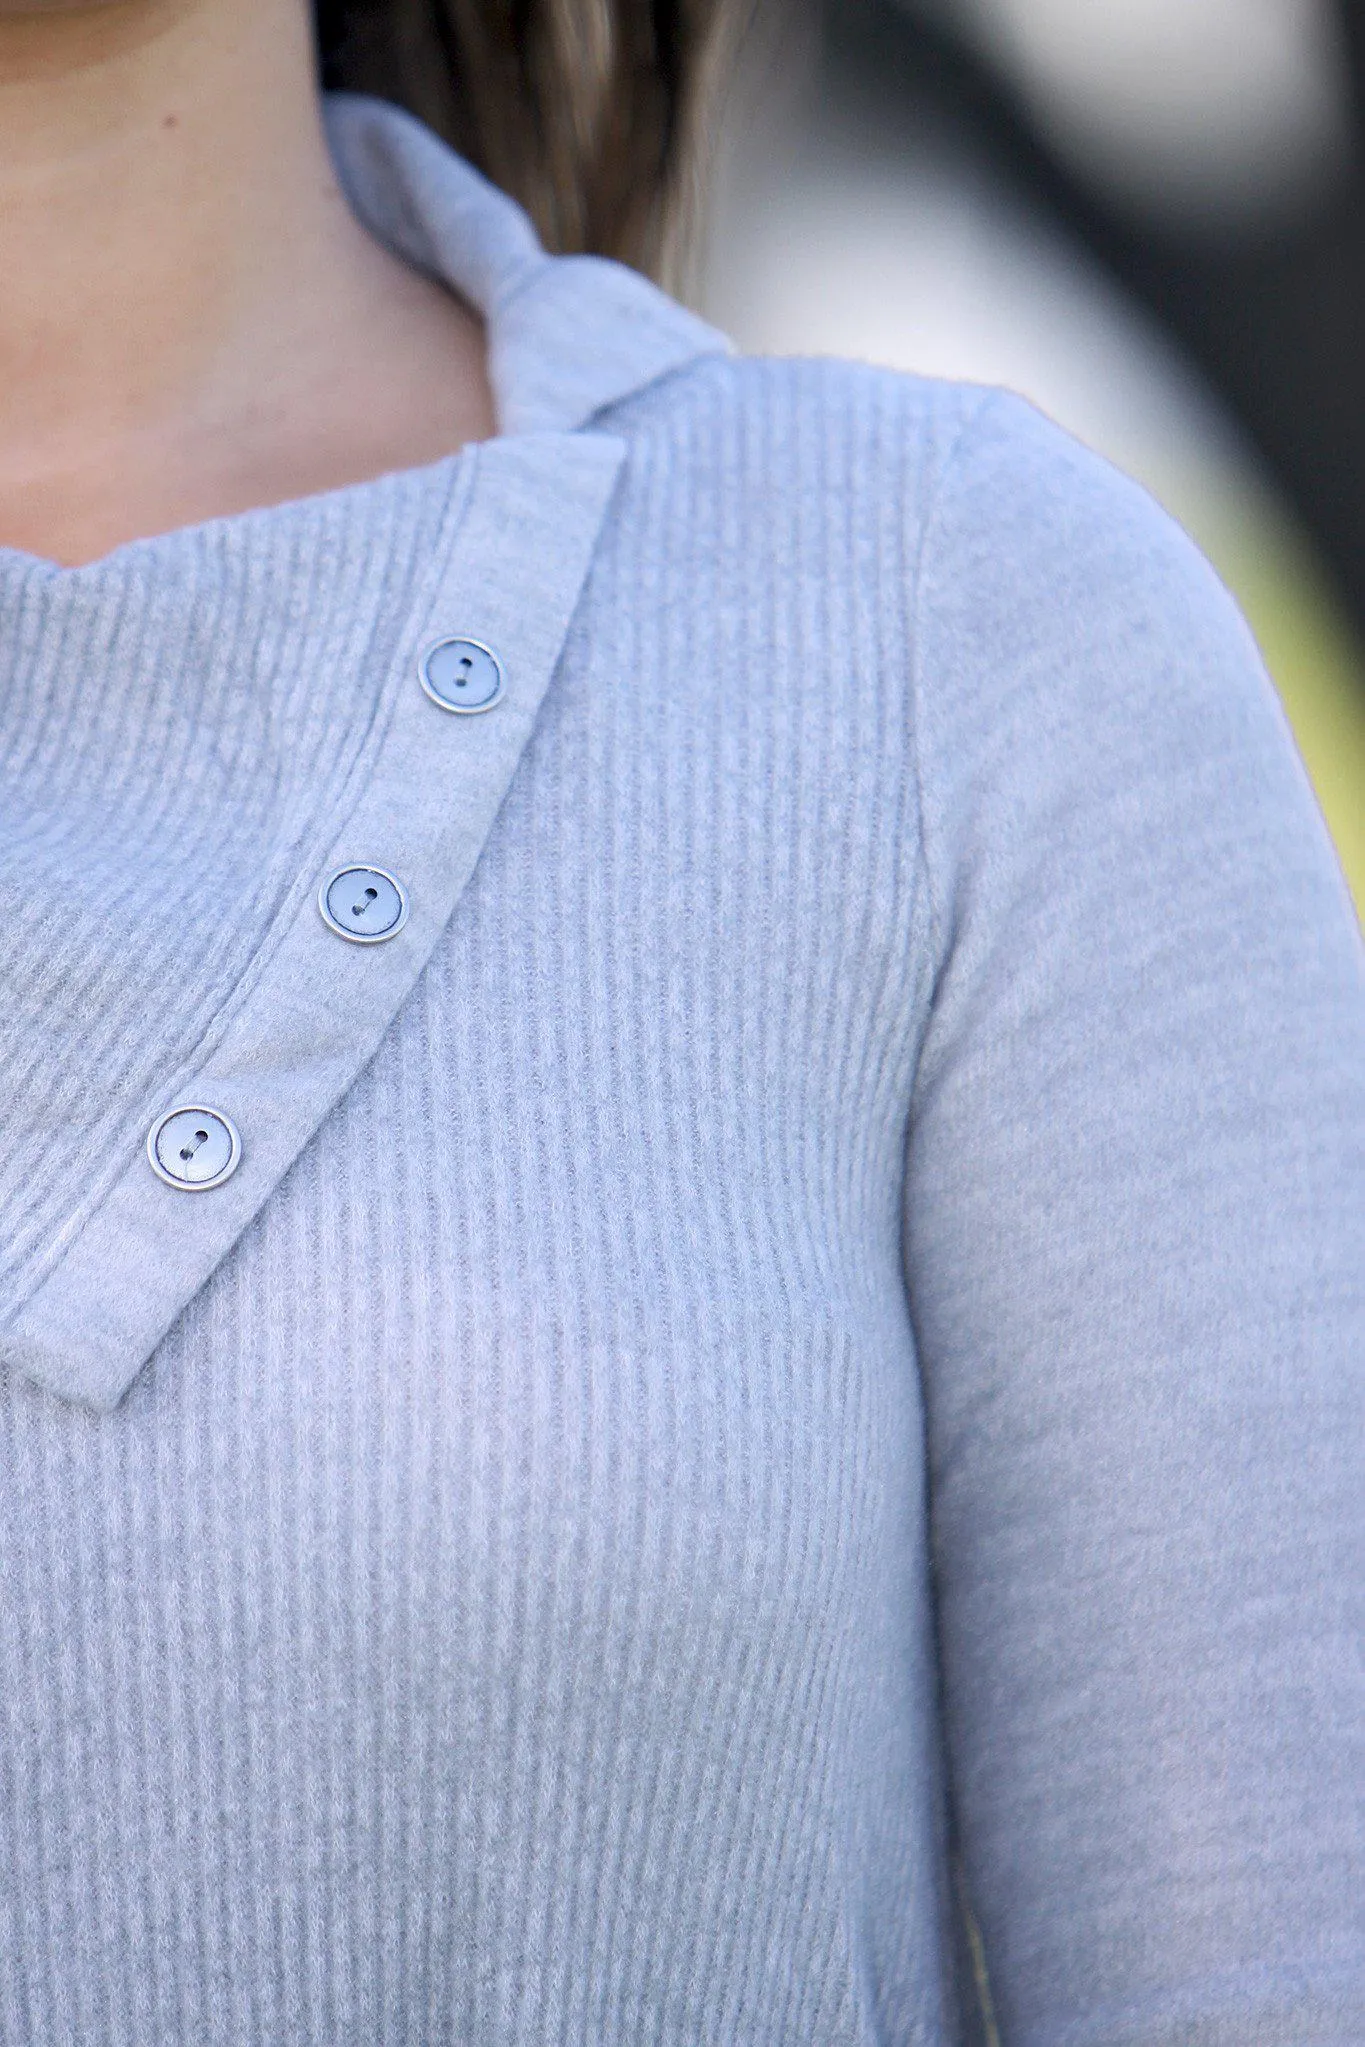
(568, 336)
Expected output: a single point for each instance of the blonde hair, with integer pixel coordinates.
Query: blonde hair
(586, 111)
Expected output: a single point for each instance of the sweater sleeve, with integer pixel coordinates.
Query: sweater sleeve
(1135, 1248)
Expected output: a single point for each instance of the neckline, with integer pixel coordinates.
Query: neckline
(232, 529)
(277, 1046)
(568, 337)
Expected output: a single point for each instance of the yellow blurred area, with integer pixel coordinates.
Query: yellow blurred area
(1317, 663)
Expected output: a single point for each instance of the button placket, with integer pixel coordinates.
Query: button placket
(311, 1021)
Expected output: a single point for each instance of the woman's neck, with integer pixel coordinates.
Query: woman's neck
(192, 322)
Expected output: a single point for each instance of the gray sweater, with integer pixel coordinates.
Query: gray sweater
(783, 1358)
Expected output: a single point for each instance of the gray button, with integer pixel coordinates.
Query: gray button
(363, 904)
(462, 675)
(194, 1149)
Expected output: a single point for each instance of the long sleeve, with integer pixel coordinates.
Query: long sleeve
(1135, 1248)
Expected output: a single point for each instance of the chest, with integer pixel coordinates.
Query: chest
(536, 1484)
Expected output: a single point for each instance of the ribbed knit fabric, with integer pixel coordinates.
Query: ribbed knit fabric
(805, 1321)
(178, 813)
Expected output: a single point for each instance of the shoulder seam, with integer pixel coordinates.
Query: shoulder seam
(989, 398)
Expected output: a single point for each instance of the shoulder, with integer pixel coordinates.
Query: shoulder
(970, 477)
(1094, 722)
(1062, 652)
(1008, 565)
(997, 537)
(1058, 601)
(806, 419)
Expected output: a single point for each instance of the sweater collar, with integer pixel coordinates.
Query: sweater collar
(568, 336)
(490, 549)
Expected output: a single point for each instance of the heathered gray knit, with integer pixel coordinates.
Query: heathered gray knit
(812, 1301)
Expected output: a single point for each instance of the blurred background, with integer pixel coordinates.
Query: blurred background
(1148, 216)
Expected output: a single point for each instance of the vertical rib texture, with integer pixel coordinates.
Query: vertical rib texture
(501, 1612)
(468, 1628)
(184, 725)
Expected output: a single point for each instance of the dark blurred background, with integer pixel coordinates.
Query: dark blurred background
(1146, 215)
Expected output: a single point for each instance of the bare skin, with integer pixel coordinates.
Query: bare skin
(192, 322)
